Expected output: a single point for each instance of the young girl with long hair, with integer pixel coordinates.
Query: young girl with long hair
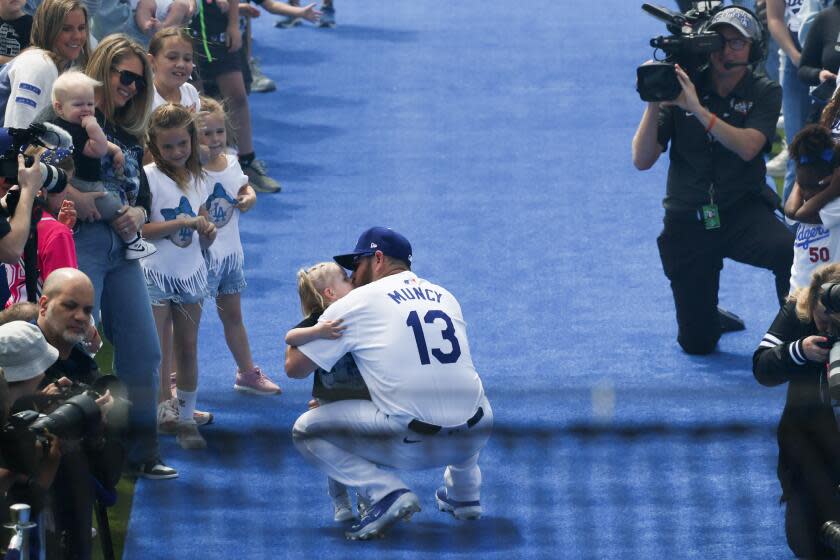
(230, 195)
(171, 55)
(176, 275)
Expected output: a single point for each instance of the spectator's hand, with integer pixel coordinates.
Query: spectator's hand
(29, 178)
(687, 100)
(234, 38)
(92, 342)
(85, 203)
(54, 389)
(813, 351)
(130, 219)
(330, 329)
(105, 404)
(246, 200)
(309, 13)
(119, 161)
(826, 75)
(249, 10)
(49, 465)
(67, 214)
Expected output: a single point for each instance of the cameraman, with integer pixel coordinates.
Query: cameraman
(795, 351)
(14, 226)
(717, 203)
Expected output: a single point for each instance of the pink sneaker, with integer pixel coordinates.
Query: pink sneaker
(255, 382)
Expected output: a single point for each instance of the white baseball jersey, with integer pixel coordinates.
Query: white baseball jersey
(409, 339)
(816, 245)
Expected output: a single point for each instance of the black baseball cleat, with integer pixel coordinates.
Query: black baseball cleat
(399, 504)
(729, 322)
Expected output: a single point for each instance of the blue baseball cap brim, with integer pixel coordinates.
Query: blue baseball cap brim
(383, 239)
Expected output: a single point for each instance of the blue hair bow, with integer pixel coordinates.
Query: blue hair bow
(827, 155)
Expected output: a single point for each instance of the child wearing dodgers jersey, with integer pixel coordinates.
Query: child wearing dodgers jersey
(814, 203)
(230, 195)
(318, 287)
(176, 275)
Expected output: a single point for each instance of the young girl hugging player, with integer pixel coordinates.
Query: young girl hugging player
(176, 275)
(230, 195)
(814, 203)
(318, 287)
(74, 102)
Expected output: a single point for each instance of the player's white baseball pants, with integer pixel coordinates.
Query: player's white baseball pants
(350, 440)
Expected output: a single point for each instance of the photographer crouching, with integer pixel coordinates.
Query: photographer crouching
(57, 405)
(717, 204)
(795, 351)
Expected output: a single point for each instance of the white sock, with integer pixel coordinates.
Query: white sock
(186, 404)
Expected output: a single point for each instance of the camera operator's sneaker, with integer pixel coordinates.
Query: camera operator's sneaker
(259, 179)
(188, 436)
(260, 83)
(460, 510)
(138, 249)
(289, 21)
(153, 470)
(255, 382)
(327, 17)
(777, 167)
(399, 504)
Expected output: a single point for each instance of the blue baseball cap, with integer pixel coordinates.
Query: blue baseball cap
(376, 239)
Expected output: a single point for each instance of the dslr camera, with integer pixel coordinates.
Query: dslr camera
(689, 45)
(23, 441)
(14, 140)
(830, 298)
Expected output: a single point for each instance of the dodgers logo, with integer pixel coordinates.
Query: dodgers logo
(220, 206)
(805, 236)
(742, 107)
(184, 236)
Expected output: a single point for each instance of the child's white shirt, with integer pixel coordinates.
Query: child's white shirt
(226, 252)
(816, 245)
(189, 98)
(178, 263)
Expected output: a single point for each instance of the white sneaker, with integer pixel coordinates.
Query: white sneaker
(780, 123)
(777, 167)
(138, 249)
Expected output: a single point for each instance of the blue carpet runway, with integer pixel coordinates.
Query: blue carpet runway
(496, 137)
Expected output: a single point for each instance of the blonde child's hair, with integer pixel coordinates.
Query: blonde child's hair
(807, 297)
(159, 38)
(312, 282)
(210, 106)
(169, 116)
(70, 80)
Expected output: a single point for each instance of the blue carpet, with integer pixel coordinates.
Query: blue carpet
(496, 137)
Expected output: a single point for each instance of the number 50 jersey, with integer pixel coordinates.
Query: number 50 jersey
(409, 339)
(816, 245)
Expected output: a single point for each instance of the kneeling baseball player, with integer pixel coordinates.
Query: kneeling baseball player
(427, 407)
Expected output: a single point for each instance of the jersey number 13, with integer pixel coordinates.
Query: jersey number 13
(448, 334)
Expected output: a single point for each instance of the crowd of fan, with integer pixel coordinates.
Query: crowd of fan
(154, 95)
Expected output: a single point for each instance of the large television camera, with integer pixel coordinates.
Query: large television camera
(76, 415)
(689, 45)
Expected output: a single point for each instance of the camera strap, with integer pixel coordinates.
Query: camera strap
(711, 214)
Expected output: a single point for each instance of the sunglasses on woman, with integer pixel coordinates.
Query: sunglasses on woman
(128, 77)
